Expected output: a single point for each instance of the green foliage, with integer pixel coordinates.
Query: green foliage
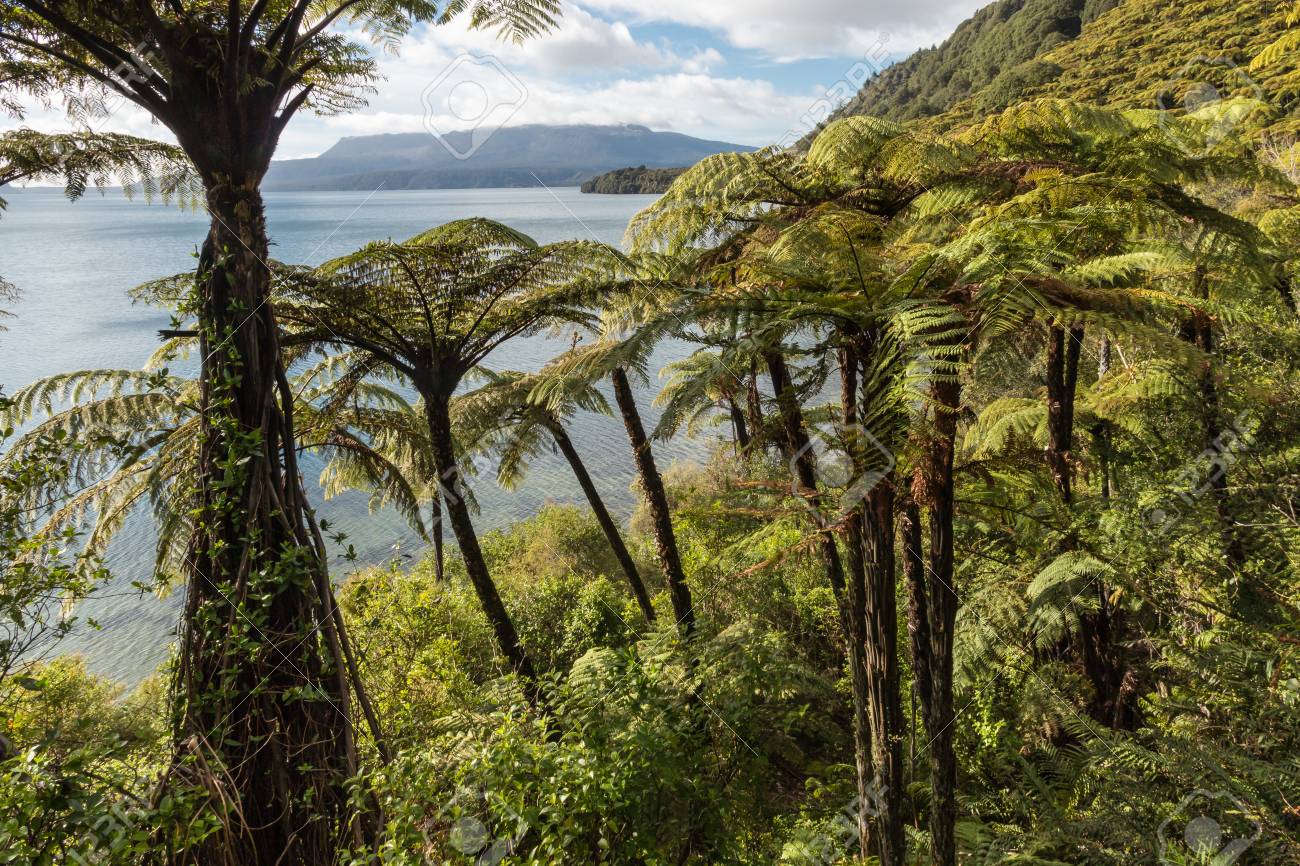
(1137, 54)
(42, 575)
(1196, 42)
(984, 50)
(427, 645)
(1011, 84)
(83, 159)
(650, 755)
(1127, 598)
(76, 785)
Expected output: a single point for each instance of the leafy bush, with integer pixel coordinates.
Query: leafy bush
(660, 753)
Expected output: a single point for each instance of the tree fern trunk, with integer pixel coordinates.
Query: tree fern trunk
(1199, 331)
(439, 555)
(939, 496)
(652, 486)
(754, 408)
(881, 661)
(738, 426)
(607, 524)
(1096, 647)
(264, 705)
(462, 526)
(853, 618)
(918, 613)
(1102, 429)
(848, 588)
(1063, 346)
(871, 535)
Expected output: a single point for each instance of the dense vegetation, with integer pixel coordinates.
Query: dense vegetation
(1123, 53)
(639, 180)
(994, 562)
(985, 49)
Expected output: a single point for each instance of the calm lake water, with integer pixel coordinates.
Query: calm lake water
(75, 261)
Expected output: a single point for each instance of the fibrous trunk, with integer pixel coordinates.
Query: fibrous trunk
(439, 555)
(1063, 346)
(1098, 649)
(936, 490)
(263, 719)
(918, 611)
(847, 587)
(738, 426)
(880, 657)
(871, 542)
(754, 407)
(1199, 330)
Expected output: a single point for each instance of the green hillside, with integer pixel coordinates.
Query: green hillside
(984, 49)
(1124, 53)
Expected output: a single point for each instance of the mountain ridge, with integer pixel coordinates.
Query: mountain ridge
(525, 155)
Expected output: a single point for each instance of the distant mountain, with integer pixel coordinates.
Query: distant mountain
(1120, 53)
(633, 181)
(516, 156)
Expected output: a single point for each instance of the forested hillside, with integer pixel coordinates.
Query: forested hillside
(1124, 53)
(987, 47)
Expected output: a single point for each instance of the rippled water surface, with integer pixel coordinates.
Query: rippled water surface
(74, 263)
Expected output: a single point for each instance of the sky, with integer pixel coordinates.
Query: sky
(742, 71)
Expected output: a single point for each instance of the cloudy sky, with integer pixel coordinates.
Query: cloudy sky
(748, 72)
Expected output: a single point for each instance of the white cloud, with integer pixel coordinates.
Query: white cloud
(582, 44)
(696, 104)
(703, 61)
(596, 69)
(787, 30)
(688, 99)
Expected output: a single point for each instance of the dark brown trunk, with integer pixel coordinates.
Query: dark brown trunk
(848, 589)
(607, 524)
(439, 554)
(1097, 650)
(754, 407)
(797, 448)
(1200, 331)
(794, 442)
(853, 618)
(1104, 665)
(1102, 429)
(652, 487)
(938, 494)
(871, 526)
(1063, 346)
(264, 700)
(881, 657)
(455, 507)
(852, 602)
(918, 613)
(738, 426)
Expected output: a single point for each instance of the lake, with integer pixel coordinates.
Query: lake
(75, 261)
